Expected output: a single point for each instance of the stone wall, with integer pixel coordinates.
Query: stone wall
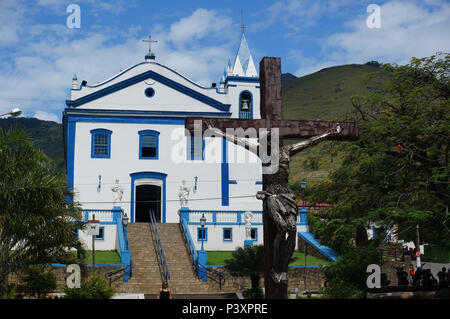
(61, 275)
(296, 280)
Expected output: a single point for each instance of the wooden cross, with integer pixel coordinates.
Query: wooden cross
(150, 41)
(280, 209)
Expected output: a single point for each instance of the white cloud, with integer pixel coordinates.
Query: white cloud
(42, 115)
(407, 29)
(39, 77)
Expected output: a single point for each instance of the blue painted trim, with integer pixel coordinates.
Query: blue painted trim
(225, 223)
(214, 266)
(70, 161)
(126, 119)
(241, 79)
(232, 181)
(231, 234)
(251, 104)
(149, 133)
(144, 76)
(102, 131)
(71, 111)
(258, 183)
(125, 254)
(155, 175)
(102, 236)
(225, 175)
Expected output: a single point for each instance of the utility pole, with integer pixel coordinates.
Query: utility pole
(418, 264)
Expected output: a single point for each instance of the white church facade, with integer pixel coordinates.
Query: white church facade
(126, 146)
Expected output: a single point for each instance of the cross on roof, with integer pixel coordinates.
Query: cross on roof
(150, 41)
(243, 27)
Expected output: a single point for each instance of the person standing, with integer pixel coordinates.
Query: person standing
(164, 291)
(411, 274)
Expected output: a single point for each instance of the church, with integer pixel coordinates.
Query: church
(127, 150)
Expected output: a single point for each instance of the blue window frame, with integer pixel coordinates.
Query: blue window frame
(227, 234)
(148, 144)
(254, 234)
(202, 232)
(101, 143)
(245, 105)
(195, 148)
(101, 234)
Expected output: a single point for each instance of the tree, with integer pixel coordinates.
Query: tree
(347, 277)
(247, 261)
(38, 219)
(397, 172)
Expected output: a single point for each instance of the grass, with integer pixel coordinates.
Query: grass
(106, 257)
(219, 257)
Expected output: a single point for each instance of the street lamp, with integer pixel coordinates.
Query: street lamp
(202, 224)
(13, 112)
(303, 188)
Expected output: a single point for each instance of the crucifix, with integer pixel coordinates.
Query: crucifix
(279, 204)
(150, 41)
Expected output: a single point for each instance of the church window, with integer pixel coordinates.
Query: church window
(196, 148)
(254, 234)
(245, 105)
(227, 234)
(202, 233)
(149, 92)
(100, 143)
(148, 144)
(101, 234)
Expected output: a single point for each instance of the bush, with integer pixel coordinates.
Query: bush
(253, 293)
(96, 287)
(347, 277)
(38, 281)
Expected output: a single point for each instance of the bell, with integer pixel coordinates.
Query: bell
(244, 106)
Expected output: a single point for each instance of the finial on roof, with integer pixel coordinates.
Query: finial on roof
(74, 82)
(150, 55)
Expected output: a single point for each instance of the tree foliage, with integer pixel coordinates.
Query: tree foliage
(247, 261)
(37, 219)
(346, 278)
(397, 172)
(96, 287)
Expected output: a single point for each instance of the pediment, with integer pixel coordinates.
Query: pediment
(149, 87)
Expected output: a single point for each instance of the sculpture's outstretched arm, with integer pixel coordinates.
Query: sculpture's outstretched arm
(298, 147)
(234, 139)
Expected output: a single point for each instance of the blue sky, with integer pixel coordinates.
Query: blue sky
(39, 54)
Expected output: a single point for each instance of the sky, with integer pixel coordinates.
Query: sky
(42, 45)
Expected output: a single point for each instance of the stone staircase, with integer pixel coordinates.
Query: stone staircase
(183, 279)
(146, 273)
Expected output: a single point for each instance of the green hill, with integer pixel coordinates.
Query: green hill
(46, 135)
(324, 95)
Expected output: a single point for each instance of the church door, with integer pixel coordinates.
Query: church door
(148, 197)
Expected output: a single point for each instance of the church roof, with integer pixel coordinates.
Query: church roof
(243, 63)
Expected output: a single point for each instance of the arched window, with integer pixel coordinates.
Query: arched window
(101, 143)
(245, 105)
(148, 144)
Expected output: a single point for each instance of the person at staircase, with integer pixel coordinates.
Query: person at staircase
(164, 291)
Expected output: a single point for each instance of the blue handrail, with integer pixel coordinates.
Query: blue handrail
(199, 268)
(161, 254)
